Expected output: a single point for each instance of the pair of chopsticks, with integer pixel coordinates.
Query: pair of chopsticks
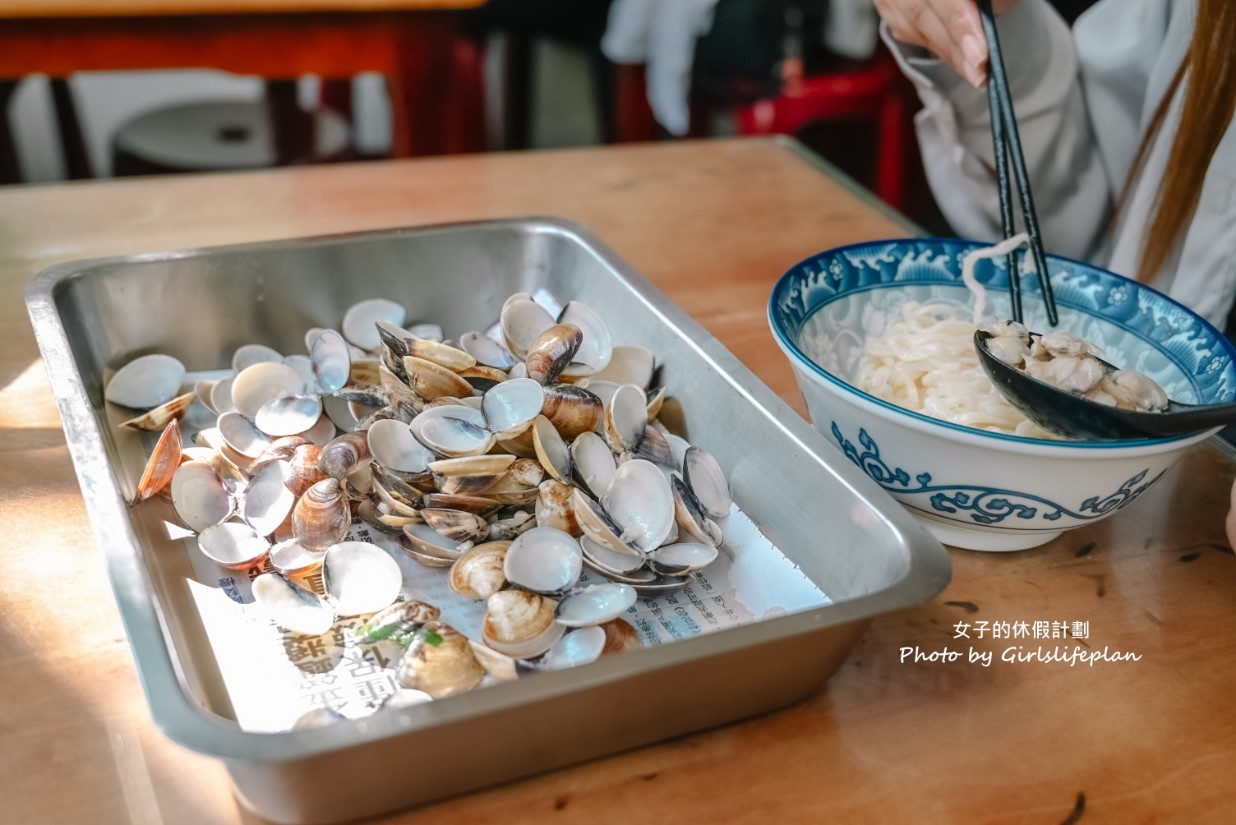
(1008, 142)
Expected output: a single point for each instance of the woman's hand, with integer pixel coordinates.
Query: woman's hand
(950, 29)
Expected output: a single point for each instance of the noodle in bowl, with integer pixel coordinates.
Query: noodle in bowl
(881, 340)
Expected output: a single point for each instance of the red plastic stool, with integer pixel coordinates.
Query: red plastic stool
(875, 93)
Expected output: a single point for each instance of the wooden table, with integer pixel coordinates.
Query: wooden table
(414, 43)
(713, 224)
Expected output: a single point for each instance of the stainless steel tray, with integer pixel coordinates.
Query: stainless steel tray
(848, 537)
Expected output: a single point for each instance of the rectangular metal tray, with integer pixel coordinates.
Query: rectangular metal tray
(848, 537)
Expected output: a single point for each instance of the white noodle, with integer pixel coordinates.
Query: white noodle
(925, 362)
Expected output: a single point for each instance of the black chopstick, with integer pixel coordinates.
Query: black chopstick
(1008, 142)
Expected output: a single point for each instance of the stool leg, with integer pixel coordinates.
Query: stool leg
(517, 90)
(10, 164)
(633, 120)
(73, 143)
(291, 126)
(891, 148)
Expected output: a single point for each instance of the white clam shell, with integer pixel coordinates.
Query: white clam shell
(681, 559)
(267, 501)
(607, 560)
(291, 607)
(330, 361)
(233, 545)
(146, 382)
(250, 354)
(199, 495)
(629, 364)
(522, 321)
(626, 418)
(544, 560)
(579, 647)
(340, 413)
(361, 578)
(322, 431)
(288, 415)
(486, 350)
(597, 348)
(453, 430)
(395, 448)
(509, 406)
(641, 503)
(596, 604)
(242, 435)
(707, 480)
(291, 557)
(360, 321)
(520, 624)
(261, 383)
(221, 396)
(594, 462)
(303, 365)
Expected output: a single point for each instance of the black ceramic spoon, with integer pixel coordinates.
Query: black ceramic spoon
(1064, 413)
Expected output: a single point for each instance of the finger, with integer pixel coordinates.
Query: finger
(943, 26)
(898, 24)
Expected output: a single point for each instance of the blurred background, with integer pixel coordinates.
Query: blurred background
(104, 88)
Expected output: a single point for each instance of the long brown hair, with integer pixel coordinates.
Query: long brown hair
(1209, 104)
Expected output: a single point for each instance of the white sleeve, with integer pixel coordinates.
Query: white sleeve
(1071, 192)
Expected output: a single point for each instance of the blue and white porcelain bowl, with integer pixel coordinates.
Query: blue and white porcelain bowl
(972, 488)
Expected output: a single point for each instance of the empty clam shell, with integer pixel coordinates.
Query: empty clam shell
(331, 360)
(620, 635)
(598, 526)
(595, 604)
(199, 495)
(360, 578)
(594, 463)
(655, 448)
(628, 365)
(486, 351)
(221, 395)
(430, 380)
(640, 502)
(303, 364)
(526, 472)
(242, 435)
(552, 351)
(145, 382)
(162, 464)
(267, 500)
(429, 332)
(400, 619)
(288, 415)
(441, 354)
(498, 665)
(291, 606)
(520, 624)
(479, 573)
(544, 560)
(682, 558)
(597, 347)
(440, 662)
(430, 547)
(626, 418)
(322, 431)
(233, 545)
(551, 450)
(707, 481)
(304, 472)
(261, 383)
(480, 505)
(249, 354)
(606, 560)
(322, 515)
(294, 559)
(456, 525)
(522, 321)
(690, 516)
(578, 647)
(159, 417)
(360, 321)
(453, 435)
(394, 447)
(510, 406)
(471, 474)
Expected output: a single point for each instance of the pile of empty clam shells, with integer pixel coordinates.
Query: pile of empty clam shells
(515, 457)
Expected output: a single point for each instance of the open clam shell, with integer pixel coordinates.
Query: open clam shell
(522, 320)
(444, 355)
(620, 635)
(470, 475)
(520, 624)
(292, 558)
(397, 622)
(511, 406)
(288, 415)
(430, 381)
(626, 418)
(598, 526)
(233, 545)
(682, 558)
(159, 417)
(453, 431)
(291, 606)
(456, 525)
(486, 351)
(551, 352)
(344, 455)
(360, 578)
(263, 382)
(641, 503)
(242, 435)
(551, 450)
(595, 604)
(707, 481)
(429, 547)
(145, 382)
(392, 445)
(162, 464)
(594, 464)
(267, 500)
(690, 515)
(605, 560)
(572, 410)
(628, 364)
(577, 647)
(544, 560)
(597, 347)
(360, 321)
(199, 495)
(554, 509)
(247, 355)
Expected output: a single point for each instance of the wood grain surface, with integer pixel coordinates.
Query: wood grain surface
(713, 225)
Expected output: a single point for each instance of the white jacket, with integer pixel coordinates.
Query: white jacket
(1083, 100)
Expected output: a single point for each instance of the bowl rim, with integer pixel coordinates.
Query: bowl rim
(791, 348)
